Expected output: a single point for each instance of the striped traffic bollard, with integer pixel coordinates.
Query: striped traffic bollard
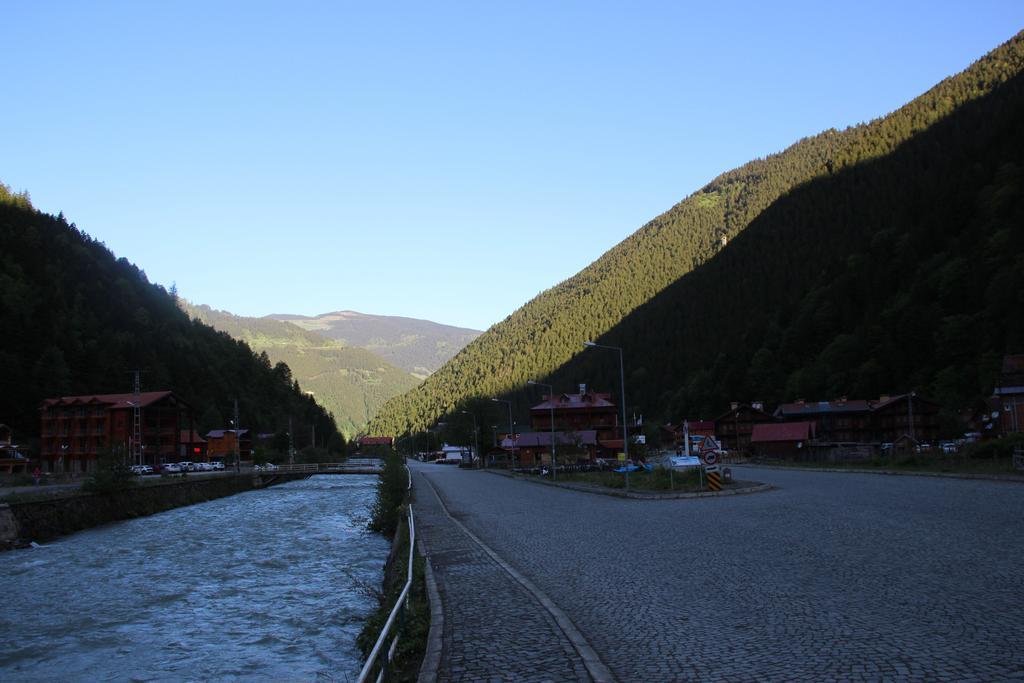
(714, 476)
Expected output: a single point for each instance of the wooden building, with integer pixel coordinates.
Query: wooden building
(1009, 395)
(781, 439)
(578, 412)
(906, 415)
(840, 420)
(534, 448)
(193, 446)
(222, 444)
(867, 421)
(734, 427)
(76, 430)
(12, 459)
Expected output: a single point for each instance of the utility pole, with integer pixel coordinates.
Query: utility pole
(238, 449)
(291, 443)
(136, 454)
(910, 415)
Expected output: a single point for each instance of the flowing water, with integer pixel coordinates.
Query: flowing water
(271, 584)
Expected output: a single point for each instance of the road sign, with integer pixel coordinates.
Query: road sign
(709, 457)
(714, 477)
(622, 457)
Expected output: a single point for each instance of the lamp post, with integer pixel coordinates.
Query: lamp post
(511, 431)
(551, 405)
(476, 433)
(622, 386)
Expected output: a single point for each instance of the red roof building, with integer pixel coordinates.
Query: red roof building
(375, 441)
(76, 430)
(584, 411)
(734, 428)
(772, 439)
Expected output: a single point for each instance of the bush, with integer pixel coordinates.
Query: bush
(111, 475)
(993, 448)
(391, 490)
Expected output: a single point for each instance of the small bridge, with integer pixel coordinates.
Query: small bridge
(350, 466)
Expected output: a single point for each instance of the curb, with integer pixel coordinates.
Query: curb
(615, 493)
(597, 669)
(1011, 479)
(435, 637)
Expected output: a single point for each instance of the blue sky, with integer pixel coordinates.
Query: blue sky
(438, 160)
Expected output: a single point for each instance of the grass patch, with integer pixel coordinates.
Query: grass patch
(390, 518)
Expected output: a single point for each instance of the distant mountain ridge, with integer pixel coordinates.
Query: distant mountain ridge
(418, 346)
(349, 381)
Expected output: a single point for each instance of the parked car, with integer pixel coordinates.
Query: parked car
(170, 468)
(217, 465)
(187, 466)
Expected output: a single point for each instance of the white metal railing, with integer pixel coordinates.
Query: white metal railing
(397, 612)
(356, 464)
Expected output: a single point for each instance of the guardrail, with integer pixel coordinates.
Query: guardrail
(353, 464)
(397, 612)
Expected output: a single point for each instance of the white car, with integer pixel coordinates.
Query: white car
(217, 465)
(170, 468)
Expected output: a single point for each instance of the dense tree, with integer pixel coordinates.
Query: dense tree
(76, 320)
(880, 258)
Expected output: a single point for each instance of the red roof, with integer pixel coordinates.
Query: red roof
(616, 444)
(767, 432)
(112, 400)
(576, 402)
(375, 440)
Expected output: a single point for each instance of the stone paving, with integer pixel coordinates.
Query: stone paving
(843, 577)
(494, 630)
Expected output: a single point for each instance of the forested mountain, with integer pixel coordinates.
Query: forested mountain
(885, 257)
(77, 320)
(351, 382)
(417, 346)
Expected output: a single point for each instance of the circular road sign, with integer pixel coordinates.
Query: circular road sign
(709, 458)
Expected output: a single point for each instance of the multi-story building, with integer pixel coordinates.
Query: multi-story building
(586, 426)
(77, 430)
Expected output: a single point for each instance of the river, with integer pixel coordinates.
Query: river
(268, 584)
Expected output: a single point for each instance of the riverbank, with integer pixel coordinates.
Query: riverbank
(39, 519)
(391, 518)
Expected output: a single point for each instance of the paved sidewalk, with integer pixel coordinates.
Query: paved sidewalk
(494, 629)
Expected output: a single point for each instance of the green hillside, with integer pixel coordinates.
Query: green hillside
(78, 320)
(352, 383)
(417, 346)
(854, 236)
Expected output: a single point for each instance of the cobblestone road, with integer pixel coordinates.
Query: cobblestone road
(830, 577)
(494, 630)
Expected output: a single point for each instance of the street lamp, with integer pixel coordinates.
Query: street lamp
(511, 431)
(476, 434)
(622, 383)
(551, 405)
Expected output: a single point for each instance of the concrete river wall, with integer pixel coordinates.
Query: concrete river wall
(42, 520)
